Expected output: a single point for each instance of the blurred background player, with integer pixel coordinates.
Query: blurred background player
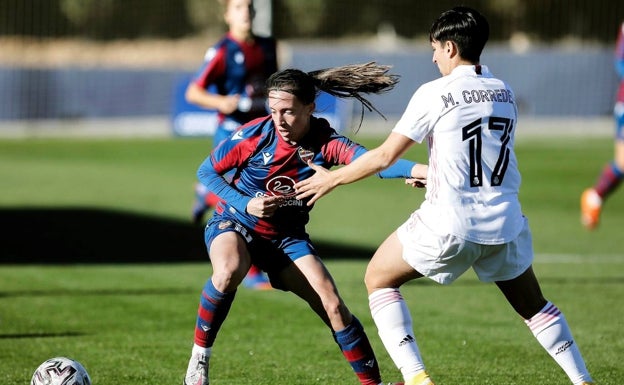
(258, 219)
(232, 81)
(611, 176)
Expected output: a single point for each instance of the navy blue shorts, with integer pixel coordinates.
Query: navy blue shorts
(270, 255)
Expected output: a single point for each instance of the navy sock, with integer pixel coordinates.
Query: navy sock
(357, 350)
(213, 308)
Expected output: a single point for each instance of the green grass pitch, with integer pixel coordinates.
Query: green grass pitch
(130, 321)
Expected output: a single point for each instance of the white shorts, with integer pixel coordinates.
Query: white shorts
(443, 258)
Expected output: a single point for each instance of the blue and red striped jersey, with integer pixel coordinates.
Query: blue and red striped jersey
(235, 67)
(265, 165)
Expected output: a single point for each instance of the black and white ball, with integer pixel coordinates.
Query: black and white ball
(60, 371)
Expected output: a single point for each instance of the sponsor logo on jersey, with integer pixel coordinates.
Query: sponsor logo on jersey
(291, 202)
(281, 186)
(305, 155)
(238, 135)
(266, 157)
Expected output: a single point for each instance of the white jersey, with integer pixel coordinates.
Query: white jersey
(469, 120)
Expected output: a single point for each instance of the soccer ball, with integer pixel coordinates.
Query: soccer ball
(60, 371)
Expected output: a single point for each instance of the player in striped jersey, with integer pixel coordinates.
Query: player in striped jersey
(259, 219)
(471, 216)
(613, 172)
(232, 80)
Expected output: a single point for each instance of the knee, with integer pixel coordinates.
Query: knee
(228, 279)
(369, 282)
(333, 306)
(337, 312)
(373, 280)
(222, 280)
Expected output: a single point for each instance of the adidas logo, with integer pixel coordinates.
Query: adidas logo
(406, 340)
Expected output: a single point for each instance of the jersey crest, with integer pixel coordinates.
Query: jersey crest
(305, 155)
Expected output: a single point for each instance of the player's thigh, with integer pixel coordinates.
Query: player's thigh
(229, 258)
(387, 268)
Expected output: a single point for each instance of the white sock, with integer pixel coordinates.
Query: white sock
(551, 330)
(201, 350)
(394, 325)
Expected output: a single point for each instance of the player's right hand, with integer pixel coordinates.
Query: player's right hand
(264, 207)
(229, 104)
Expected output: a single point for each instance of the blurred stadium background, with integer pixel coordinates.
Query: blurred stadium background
(117, 66)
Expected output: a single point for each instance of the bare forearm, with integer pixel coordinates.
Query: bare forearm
(368, 164)
(371, 162)
(199, 97)
(226, 104)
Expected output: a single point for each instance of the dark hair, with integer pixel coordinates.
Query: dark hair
(464, 26)
(349, 81)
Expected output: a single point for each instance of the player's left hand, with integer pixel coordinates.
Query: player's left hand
(315, 186)
(419, 176)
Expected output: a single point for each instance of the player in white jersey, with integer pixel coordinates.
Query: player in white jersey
(468, 120)
(471, 216)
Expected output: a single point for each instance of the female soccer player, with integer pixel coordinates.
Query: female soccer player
(471, 216)
(612, 173)
(259, 220)
(232, 81)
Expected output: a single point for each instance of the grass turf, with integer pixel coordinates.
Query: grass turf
(132, 323)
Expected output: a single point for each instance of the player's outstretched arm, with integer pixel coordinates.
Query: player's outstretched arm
(373, 161)
(198, 96)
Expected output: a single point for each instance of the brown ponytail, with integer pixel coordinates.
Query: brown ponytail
(349, 81)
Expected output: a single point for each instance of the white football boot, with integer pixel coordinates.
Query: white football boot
(197, 372)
